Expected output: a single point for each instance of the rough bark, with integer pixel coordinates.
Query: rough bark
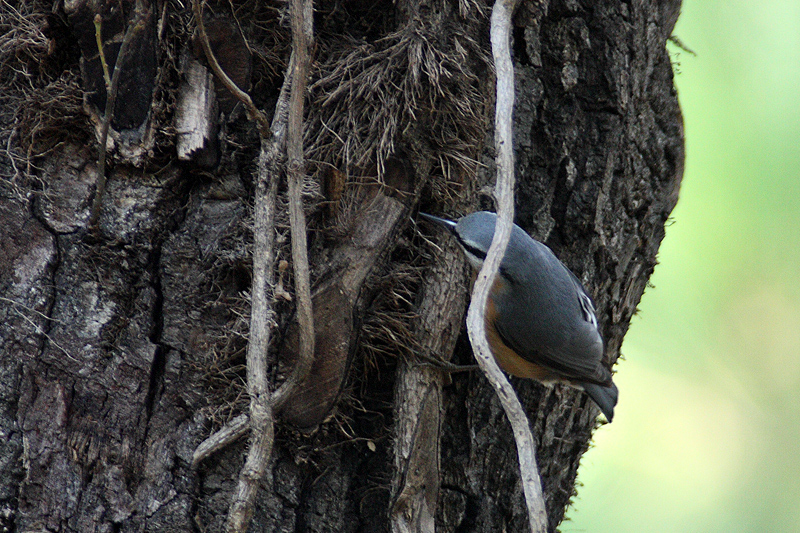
(119, 355)
(599, 160)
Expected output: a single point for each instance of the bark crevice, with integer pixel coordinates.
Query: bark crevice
(154, 319)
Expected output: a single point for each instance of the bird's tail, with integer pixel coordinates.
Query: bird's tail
(604, 396)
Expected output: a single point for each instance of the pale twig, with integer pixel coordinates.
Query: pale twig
(233, 430)
(267, 170)
(262, 425)
(262, 405)
(253, 113)
(288, 120)
(302, 35)
(261, 419)
(504, 196)
(98, 36)
(140, 17)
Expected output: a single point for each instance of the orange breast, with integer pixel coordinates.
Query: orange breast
(508, 359)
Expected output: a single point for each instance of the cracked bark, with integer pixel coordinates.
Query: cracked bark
(103, 403)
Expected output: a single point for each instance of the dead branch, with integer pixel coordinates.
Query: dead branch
(418, 399)
(261, 416)
(504, 196)
(233, 430)
(98, 35)
(267, 170)
(140, 18)
(262, 423)
(302, 36)
(269, 158)
(253, 113)
(262, 404)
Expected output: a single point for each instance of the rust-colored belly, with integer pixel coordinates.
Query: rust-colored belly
(507, 358)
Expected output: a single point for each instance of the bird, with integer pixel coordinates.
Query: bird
(540, 321)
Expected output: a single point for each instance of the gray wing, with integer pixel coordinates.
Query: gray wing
(572, 348)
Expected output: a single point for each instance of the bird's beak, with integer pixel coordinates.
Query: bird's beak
(449, 225)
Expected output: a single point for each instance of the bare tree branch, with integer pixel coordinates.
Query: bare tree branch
(233, 430)
(253, 113)
(504, 196)
(269, 159)
(140, 17)
(262, 404)
(418, 399)
(262, 424)
(261, 417)
(302, 36)
(98, 36)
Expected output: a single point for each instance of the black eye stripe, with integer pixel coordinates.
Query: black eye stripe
(480, 254)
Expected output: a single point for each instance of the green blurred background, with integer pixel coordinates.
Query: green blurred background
(706, 436)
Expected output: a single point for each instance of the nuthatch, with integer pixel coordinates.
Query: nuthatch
(540, 323)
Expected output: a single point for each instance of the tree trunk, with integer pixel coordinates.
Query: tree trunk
(123, 349)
